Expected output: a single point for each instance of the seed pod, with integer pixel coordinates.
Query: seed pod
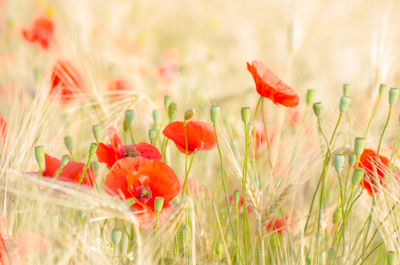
(96, 129)
(359, 145)
(245, 112)
(167, 101)
(338, 161)
(189, 113)
(382, 89)
(310, 96)
(172, 108)
(92, 149)
(39, 154)
(337, 215)
(346, 90)
(236, 196)
(158, 204)
(129, 117)
(352, 159)
(393, 95)
(344, 104)
(358, 174)
(69, 143)
(152, 134)
(116, 236)
(215, 113)
(318, 108)
(64, 160)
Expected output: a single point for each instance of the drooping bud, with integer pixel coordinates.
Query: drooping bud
(167, 101)
(393, 95)
(92, 149)
(344, 104)
(116, 236)
(64, 160)
(318, 108)
(382, 89)
(337, 215)
(236, 196)
(358, 174)
(352, 159)
(359, 145)
(158, 204)
(129, 117)
(96, 129)
(69, 143)
(215, 113)
(156, 117)
(172, 108)
(391, 258)
(245, 112)
(189, 113)
(39, 154)
(338, 161)
(310, 96)
(346, 90)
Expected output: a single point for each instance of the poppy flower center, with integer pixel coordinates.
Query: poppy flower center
(130, 152)
(143, 193)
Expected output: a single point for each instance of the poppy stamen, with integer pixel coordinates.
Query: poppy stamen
(143, 193)
(130, 152)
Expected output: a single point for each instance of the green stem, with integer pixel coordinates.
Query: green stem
(244, 183)
(85, 169)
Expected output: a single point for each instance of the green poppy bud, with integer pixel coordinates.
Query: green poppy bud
(152, 134)
(189, 113)
(359, 145)
(156, 117)
(64, 160)
(318, 108)
(352, 159)
(39, 154)
(393, 95)
(382, 89)
(346, 90)
(337, 215)
(158, 204)
(215, 113)
(245, 112)
(69, 143)
(92, 149)
(172, 108)
(116, 236)
(391, 258)
(96, 129)
(344, 104)
(338, 161)
(310, 96)
(358, 174)
(129, 117)
(167, 101)
(236, 196)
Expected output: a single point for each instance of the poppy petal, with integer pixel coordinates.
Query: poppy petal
(148, 151)
(52, 164)
(106, 154)
(115, 140)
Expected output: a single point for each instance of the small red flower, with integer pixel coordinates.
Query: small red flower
(114, 151)
(368, 163)
(117, 88)
(71, 172)
(269, 85)
(200, 135)
(41, 31)
(66, 82)
(143, 180)
(279, 225)
(3, 130)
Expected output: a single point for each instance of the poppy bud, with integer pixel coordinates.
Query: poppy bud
(152, 134)
(359, 145)
(92, 149)
(393, 95)
(358, 174)
(167, 101)
(64, 160)
(189, 114)
(337, 215)
(95, 166)
(338, 161)
(172, 108)
(236, 196)
(218, 250)
(344, 104)
(391, 258)
(96, 129)
(318, 108)
(382, 89)
(215, 113)
(39, 154)
(82, 214)
(346, 90)
(249, 129)
(129, 117)
(69, 143)
(158, 204)
(331, 255)
(156, 117)
(352, 159)
(116, 236)
(245, 112)
(310, 96)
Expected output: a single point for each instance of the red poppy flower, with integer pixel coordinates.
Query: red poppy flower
(143, 180)
(71, 172)
(279, 225)
(41, 31)
(117, 88)
(3, 130)
(66, 82)
(269, 85)
(109, 154)
(200, 135)
(368, 163)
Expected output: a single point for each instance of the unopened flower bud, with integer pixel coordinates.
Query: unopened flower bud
(359, 145)
(156, 117)
(344, 104)
(310, 96)
(116, 236)
(245, 112)
(236, 196)
(215, 113)
(358, 174)
(352, 159)
(92, 149)
(393, 95)
(189, 113)
(318, 108)
(39, 154)
(64, 160)
(152, 134)
(172, 108)
(69, 143)
(167, 101)
(346, 90)
(158, 204)
(129, 117)
(337, 215)
(96, 129)
(382, 89)
(338, 161)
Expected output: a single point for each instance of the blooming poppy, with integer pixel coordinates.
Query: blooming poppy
(279, 225)
(41, 31)
(114, 151)
(269, 85)
(66, 82)
(368, 163)
(117, 88)
(71, 172)
(143, 180)
(200, 135)
(3, 130)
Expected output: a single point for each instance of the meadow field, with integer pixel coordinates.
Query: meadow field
(199, 132)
